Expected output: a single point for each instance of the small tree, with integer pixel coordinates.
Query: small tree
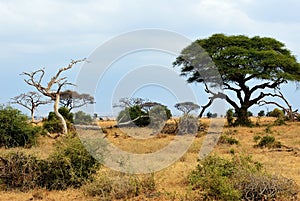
(30, 101)
(261, 113)
(186, 107)
(72, 99)
(53, 88)
(188, 124)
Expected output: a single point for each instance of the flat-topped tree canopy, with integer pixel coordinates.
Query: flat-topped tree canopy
(239, 60)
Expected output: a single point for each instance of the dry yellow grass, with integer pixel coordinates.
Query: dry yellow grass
(172, 181)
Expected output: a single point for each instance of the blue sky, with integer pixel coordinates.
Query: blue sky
(49, 33)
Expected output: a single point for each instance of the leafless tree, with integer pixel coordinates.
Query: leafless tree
(72, 99)
(53, 88)
(30, 101)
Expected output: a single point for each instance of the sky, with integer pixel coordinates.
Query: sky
(49, 33)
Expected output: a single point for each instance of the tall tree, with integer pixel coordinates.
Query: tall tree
(53, 88)
(239, 60)
(72, 99)
(30, 101)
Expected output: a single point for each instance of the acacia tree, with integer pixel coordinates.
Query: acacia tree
(30, 101)
(72, 99)
(53, 88)
(186, 107)
(239, 60)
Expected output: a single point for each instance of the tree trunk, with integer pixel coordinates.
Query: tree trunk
(32, 116)
(242, 117)
(60, 117)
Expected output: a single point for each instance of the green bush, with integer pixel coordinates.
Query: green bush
(276, 113)
(20, 171)
(268, 141)
(212, 178)
(238, 178)
(53, 124)
(82, 118)
(230, 117)
(135, 114)
(69, 166)
(15, 130)
(224, 139)
(141, 117)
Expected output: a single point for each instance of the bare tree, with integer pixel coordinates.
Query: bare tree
(30, 101)
(72, 99)
(288, 109)
(53, 88)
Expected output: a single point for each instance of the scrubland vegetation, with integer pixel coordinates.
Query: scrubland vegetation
(258, 163)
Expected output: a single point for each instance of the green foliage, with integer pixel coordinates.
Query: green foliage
(53, 124)
(224, 139)
(134, 114)
(261, 113)
(238, 60)
(20, 171)
(267, 141)
(229, 117)
(238, 178)
(276, 113)
(69, 166)
(15, 130)
(82, 118)
(279, 122)
(211, 115)
(119, 186)
(212, 177)
(141, 117)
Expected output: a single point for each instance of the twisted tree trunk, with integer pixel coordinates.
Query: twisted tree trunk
(60, 117)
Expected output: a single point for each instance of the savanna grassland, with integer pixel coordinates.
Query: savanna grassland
(172, 182)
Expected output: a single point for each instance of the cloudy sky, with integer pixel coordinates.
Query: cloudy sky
(49, 33)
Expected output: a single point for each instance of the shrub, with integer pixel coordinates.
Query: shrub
(224, 139)
(53, 124)
(279, 122)
(15, 130)
(261, 113)
(276, 113)
(141, 117)
(238, 178)
(212, 177)
(136, 114)
(20, 171)
(229, 117)
(82, 118)
(268, 141)
(119, 186)
(69, 166)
